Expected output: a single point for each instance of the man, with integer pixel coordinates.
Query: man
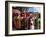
(15, 19)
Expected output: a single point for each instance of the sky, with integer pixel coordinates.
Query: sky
(33, 9)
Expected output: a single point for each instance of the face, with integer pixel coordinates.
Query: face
(16, 12)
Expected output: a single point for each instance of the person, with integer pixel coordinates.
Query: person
(29, 21)
(15, 19)
(37, 22)
(23, 22)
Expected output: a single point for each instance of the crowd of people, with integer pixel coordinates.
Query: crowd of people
(22, 20)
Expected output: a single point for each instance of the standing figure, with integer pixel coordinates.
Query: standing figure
(16, 20)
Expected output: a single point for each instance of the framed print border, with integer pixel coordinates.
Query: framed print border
(6, 18)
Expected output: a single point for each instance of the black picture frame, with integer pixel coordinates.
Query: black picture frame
(6, 18)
